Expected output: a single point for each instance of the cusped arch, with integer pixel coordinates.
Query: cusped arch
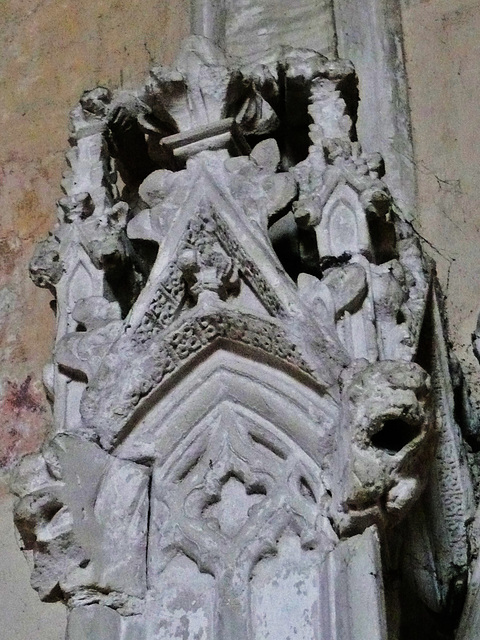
(301, 410)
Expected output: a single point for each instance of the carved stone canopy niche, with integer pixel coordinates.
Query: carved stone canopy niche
(243, 416)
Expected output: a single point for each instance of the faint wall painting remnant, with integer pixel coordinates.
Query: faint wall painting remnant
(252, 422)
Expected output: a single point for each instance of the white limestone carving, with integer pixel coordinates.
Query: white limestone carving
(238, 429)
(254, 27)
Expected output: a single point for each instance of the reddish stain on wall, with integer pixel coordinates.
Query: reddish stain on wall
(20, 397)
(25, 420)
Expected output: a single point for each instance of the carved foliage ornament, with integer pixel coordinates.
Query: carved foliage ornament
(238, 404)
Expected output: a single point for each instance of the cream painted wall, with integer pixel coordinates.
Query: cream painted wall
(442, 45)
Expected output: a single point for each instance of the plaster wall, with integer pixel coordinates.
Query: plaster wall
(52, 51)
(442, 50)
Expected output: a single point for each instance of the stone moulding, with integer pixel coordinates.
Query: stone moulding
(247, 408)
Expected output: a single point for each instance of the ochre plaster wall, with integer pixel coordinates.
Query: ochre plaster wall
(442, 46)
(52, 50)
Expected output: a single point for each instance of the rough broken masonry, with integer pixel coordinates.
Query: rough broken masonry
(253, 414)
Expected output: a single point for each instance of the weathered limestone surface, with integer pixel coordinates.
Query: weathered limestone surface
(434, 31)
(370, 34)
(250, 381)
(253, 27)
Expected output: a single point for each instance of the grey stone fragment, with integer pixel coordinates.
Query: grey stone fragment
(96, 622)
(87, 528)
(107, 498)
(254, 28)
(46, 268)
